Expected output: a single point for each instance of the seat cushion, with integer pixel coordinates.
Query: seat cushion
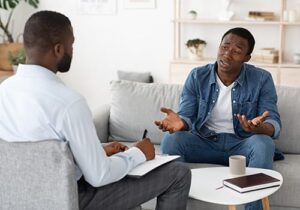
(37, 175)
(288, 168)
(288, 106)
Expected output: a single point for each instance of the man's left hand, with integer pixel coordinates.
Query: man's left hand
(253, 125)
(114, 147)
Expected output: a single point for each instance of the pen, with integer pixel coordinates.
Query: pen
(220, 187)
(145, 134)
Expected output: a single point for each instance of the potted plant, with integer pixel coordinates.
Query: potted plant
(9, 43)
(195, 48)
(17, 58)
(192, 14)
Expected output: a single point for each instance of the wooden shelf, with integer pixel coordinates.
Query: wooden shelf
(231, 22)
(291, 23)
(234, 22)
(284, 72)
(212, 60)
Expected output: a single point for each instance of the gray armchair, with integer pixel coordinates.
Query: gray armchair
(37, 175)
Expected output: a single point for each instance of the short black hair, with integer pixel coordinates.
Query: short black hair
(45, 29)
(244, 33)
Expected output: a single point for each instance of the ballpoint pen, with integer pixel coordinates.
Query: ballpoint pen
(145, 134)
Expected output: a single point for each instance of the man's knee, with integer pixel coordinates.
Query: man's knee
(262, 143)
(183, 172)
(262, 151)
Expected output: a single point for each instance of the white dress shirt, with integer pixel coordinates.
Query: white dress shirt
(36, 105)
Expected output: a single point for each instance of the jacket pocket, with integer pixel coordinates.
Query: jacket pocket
(249, 109)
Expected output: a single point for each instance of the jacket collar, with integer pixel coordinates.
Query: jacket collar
(240, 80)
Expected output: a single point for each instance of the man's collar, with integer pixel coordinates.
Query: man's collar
(29, 70)
(239, 80)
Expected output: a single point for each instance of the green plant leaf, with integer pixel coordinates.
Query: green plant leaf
(17, 57)
(8, 4)
(11, 4)
(33, 3)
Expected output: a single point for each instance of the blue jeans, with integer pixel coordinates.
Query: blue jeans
(258, 149)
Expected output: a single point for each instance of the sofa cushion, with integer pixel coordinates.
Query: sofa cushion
(288, 106)
(135, 106)
(288, 168)
(37, 175)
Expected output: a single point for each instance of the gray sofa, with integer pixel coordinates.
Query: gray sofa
(41, 175)
(134, 107)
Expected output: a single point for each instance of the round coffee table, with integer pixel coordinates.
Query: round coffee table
(207, 185)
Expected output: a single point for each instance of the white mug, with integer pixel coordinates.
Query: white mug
(237, 165)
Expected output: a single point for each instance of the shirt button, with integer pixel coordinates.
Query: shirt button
(233, 89)
(234, 115)
(234, 101)
(217, 90)
(208, 113)
(213, 101)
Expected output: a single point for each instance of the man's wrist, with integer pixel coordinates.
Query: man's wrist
(185, 125)
(267, 129)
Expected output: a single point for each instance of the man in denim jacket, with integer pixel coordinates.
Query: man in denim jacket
(226, 108)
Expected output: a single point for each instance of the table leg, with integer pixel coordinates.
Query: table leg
(265, 203)
(231, 207)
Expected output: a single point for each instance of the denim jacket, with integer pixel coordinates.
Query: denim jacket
(252, 94)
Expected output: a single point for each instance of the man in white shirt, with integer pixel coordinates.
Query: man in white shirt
(36, 105)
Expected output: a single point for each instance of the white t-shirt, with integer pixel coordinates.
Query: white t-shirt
(220, 119)
(35, 105)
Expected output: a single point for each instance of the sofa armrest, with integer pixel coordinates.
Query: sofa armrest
(37, 175)
(101, 119)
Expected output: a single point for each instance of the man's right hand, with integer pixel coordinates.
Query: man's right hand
(172, 122)
(146, 147)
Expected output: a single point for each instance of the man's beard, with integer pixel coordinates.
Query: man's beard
(64, 64)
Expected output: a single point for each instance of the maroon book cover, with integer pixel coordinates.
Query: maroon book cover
(251, 182)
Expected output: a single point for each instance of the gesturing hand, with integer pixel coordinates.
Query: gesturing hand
(114, 147)
(254, 124)
(172, 122)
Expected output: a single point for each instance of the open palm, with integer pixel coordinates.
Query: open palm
(172, 122)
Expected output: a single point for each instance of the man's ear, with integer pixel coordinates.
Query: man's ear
(59, 50)
(247, 58)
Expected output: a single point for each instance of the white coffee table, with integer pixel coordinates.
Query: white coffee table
(206, 181)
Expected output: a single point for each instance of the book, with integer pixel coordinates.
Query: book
(148, 166)
(251, 182)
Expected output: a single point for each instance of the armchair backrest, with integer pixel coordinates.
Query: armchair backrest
(37, 175)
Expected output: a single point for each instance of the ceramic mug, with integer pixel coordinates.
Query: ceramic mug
(237, 165)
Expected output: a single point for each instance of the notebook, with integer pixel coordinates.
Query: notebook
(148, 166)
(252, 182)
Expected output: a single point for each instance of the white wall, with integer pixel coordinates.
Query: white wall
(133, 39)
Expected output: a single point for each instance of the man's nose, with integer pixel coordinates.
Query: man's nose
(228, 52)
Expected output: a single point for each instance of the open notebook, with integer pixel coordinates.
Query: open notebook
(148, 166)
